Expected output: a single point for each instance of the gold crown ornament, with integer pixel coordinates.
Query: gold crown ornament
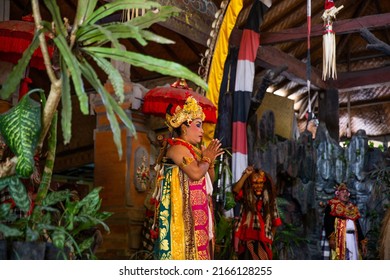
(341, 187)
(190, 111)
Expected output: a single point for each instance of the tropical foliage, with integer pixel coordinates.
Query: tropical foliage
(88, 43)
(83, 49)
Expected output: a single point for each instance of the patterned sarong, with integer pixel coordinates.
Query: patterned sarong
(183, 217)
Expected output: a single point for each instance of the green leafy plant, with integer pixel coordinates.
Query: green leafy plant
(222, 194)
(377, 210)
(61, 220)
(225, 201)
(288, 237)
(83, 49)
(79, 45)
(223, 237)
(87, 41)
(20, 128)
(38, 225)
(8, 217)
(346, 143)
(72, 228)
(287, 240)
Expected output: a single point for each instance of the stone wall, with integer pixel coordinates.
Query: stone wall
(306, 172)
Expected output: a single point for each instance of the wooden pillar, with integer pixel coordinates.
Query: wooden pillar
(328, 111)
(4, 10)
(121, 194)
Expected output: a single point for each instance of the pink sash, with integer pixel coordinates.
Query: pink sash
(199, 206)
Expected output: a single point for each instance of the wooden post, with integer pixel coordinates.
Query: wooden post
(328, 111)
(4, 10)
(121, 194)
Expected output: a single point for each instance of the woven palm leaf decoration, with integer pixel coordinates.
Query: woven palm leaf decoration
(129, 14)
(20, 127)
(329, 41)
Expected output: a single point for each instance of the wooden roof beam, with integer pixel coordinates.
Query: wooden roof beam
(374, 43)
(340, 27)
(270, 57)
(362, 79)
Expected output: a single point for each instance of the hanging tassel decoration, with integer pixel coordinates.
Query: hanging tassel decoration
(329, 41)
(129, 14)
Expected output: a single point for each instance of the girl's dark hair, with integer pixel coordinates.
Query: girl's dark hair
(168, 110)
(177, 130)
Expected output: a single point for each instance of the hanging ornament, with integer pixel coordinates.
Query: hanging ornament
(308, 61)
(329, 41)
(129, 14)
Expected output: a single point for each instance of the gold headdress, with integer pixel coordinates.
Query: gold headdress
(340, 187)
(190, 111)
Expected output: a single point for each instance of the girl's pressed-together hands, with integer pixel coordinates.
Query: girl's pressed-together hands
(213, 150)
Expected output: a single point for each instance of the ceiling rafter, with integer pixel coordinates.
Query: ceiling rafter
(292, 6)
(340, 27)
(345, 38)
(294, 90)
(363, 104)
(270, 57)
(363, 79)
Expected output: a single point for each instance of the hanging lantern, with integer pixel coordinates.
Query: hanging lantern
(329, 41)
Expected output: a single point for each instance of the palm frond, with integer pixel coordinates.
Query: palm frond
(119, 5)
(17, 73)
(74, 68)
(149, 63)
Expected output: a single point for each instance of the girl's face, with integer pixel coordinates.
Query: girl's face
(194, 132)
(257, 181)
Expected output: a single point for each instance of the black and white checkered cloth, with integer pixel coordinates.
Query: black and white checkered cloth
(148, 242)
(325, 245)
